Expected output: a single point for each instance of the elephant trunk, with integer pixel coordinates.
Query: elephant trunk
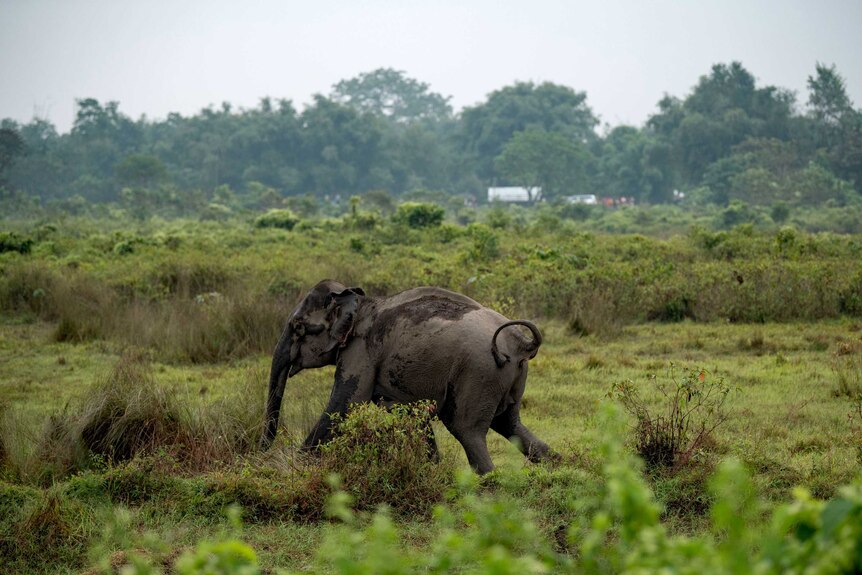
(278, 374)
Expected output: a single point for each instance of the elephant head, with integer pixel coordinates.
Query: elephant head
(318, 327)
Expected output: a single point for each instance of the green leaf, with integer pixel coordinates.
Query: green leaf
(835, 512)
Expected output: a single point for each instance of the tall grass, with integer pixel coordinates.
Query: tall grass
(209, 327)
(128, 413)
(205, 330)
(198, 307)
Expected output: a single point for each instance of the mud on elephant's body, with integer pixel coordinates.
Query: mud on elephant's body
(424, 343)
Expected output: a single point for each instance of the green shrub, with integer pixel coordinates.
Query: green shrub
(498, 217)
(419, 215)
(85, 309)
(216, 212)
(26, 288)
(124, 247)
(485, 244)
(12, 242)
(599, 309)
(362, 220)
(127, 414)
(692, 407)
(850, 298)
(279, 218)
(614, 530)
(382, 456)
(736, 213)
(577, 212)
(39, 530)
(220, 557)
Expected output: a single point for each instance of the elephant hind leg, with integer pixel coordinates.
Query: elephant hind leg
(508, 424)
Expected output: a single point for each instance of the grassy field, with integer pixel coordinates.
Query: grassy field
(115, 319)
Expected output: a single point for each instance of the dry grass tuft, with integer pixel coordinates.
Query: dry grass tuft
(128, 413)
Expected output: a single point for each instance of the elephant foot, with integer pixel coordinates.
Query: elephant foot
(537, 452)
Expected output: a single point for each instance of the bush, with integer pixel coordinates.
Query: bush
(736, 213)
(617, 531)
(25, 288)
(485, 244)
(498, 217)
(600, 308)
(85, 309)
(419, 215)
(693, 406)
(39, 530)
(382, 456)
(215, 212)
(279, 218)
(12, 242)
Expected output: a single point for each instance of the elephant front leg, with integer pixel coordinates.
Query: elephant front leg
(349, 388)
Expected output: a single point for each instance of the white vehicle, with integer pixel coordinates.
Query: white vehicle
(583, 199)
(513, 194)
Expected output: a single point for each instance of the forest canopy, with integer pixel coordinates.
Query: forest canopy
(728, 140)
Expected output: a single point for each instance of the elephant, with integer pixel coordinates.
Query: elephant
(426, 343)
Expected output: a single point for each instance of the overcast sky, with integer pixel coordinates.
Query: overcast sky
(157, 56)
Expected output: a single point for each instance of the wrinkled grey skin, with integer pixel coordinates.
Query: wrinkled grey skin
(422, 344)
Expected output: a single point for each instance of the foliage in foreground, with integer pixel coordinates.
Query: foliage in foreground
(177, 468)
(617, 531)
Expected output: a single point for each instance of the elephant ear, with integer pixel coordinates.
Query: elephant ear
(346, 303)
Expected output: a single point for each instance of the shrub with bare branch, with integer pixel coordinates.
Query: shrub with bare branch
(691, 407)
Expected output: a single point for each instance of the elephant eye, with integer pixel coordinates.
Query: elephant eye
(298, 328)
(315, 329)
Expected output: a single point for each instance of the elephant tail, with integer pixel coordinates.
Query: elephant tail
(530, 349)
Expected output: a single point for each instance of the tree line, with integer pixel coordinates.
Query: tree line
(385, 134)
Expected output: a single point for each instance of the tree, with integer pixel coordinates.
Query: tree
(341, 149)
(140, 170)
(11, 147)
(100, 137)
(546, 164)
(419, 157)
(724, 109)
(391, 94)
(94, 122)
(46, 167)
(837, 126)
(827, 99)
(764, 171)
(488, 127)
